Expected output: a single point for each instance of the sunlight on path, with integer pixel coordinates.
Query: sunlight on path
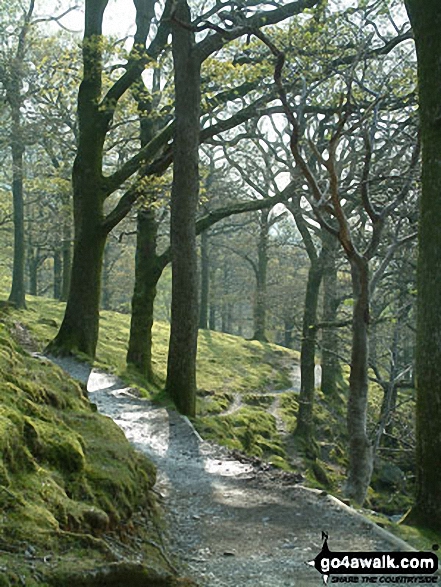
(234, 523)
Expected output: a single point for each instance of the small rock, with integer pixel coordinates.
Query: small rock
(229, 553)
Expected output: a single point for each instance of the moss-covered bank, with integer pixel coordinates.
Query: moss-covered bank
(76, 501)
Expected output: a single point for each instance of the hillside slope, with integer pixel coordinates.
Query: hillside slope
(71, 486)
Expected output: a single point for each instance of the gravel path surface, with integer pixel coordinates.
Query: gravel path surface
(234, 522)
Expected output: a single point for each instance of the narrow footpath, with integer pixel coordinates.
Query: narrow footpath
(233, 522)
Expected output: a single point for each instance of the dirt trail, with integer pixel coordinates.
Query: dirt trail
(235, 524)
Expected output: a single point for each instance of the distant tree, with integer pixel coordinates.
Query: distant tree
(12, 74)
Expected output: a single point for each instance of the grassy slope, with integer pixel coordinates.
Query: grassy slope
(229, 366)
(69, 481)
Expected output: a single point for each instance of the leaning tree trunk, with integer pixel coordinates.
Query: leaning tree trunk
(360, 449)
(425, 18)
(181, 367)
(305, 421)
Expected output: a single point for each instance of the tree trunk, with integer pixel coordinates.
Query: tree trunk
(205, 281)
(106, 294)
(305, 421)
(67, 259)
(288, 325)
(58, 273)
(33, 264)
(17, 295)
(426, 22)
(261, 273)
(212, 316)
(181, 367)
(360, 450)
(79, 330)
(147, 274)
(331, 372)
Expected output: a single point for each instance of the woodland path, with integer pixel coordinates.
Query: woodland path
(234, 523)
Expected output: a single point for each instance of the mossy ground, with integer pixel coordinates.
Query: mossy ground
(70, 483)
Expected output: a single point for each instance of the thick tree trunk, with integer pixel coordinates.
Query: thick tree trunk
(360, 449)
(426, 22)
(181, 368)
(305, 421)
(260, 301)
(331, 371)
(79, 330)
(67, 259)
(205, 281)
(147, 274)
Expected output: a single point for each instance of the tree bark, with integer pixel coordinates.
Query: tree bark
(33, 265)
(58, 273)
(360, 449)
(426, 22)
(147, 271)
(305, 420)
(181, 367)
(331, 372)
(261, 273)
(17, 295)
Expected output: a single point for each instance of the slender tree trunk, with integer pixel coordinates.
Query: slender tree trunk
(17, 294)
(181, 367)
(15, 99)
(33, 264)
(331, 372)
(212, 317)
(360, 449)
(288, 324)
(426, 22)
(58, 273)
(205, 281)
(147, 274)
(305, 421)
(260, 301)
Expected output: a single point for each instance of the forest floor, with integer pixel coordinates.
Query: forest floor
(234, 521)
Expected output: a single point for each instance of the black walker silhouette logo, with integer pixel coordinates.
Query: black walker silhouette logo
(378, 565)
